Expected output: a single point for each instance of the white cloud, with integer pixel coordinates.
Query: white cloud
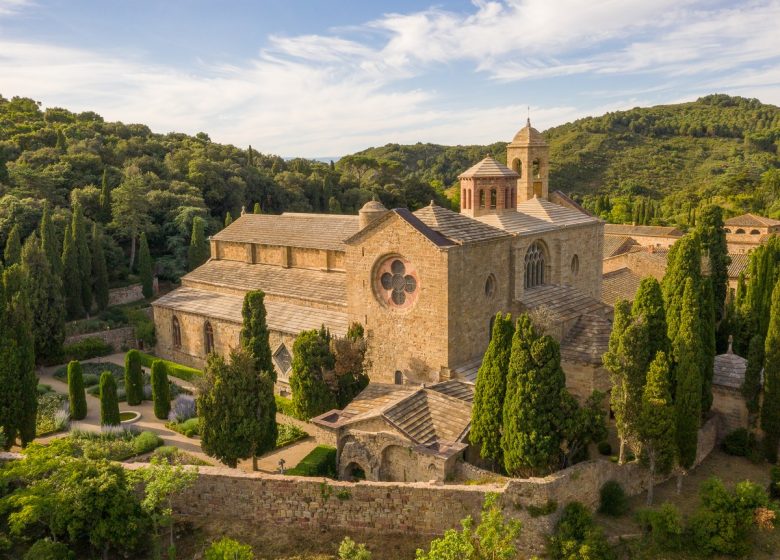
(9, 7)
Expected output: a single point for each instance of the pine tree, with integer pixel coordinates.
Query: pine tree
(49, 242)
(84, 258)
(47, 307)
(684, 262)
(134, 380)
(688, 377)
(312, 358)
(71, 278)
(145, 267)
(105, 198)
(751, 386)
(627, 360)
(649, 304)
(770, 410)
(99, 270)
(199, 250)
(657, 422)
(13, 247)
(76, 395)
(228, 219)
(488, 410)
(713, 241)
(161, 394)
(532, 407)
(109, 403)
(257, 209)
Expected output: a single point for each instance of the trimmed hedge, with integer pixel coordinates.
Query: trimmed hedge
(320, 462)
(284, 406)
(86, 349)
(174, 370)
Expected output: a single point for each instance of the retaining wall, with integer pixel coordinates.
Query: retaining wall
(123, 337)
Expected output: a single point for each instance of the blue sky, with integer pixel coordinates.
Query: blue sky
(320, 79)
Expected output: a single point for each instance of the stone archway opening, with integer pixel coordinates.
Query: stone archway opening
(353, 472)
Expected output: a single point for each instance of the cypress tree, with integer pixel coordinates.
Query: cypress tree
(254, 332)
(199, 250)
(707, 346)
(684, 262)
(134, 380)
(99, 269)
(105, 199)
(688, 377)
(657, 422)
(532, 408)
(84, 258)
(49, 242)
(751, 386)
(71, 278)
(649, 304)
(312, 357)
(47, 307)
(257, 209)
(228, 219)
(109, 403)
(161, 394)
(627, 360)
(713, 241)
(76, 395)
(762, 275)
(250, 159)
(488, 410)
(13, 247)
(770, 410)
(145, 267)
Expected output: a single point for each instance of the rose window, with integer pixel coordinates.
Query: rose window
(396, 284)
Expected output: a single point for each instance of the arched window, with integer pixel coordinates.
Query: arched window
(727, 230)
(575, 265)
(740, 230)
(399, 378)
(493, 198)
(537, 169)
(755, 232)
(481, 198)
(534, 265)
(176, 328)
(208, 337)
(517, 165)
(490, 286)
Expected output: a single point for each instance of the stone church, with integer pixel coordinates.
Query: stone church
(424, 284)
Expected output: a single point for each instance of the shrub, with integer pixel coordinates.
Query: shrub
(287, 434)
(189, 428)
(664, 526)
(144, 326)
(134, 379)
(76, 394)
(114, 444)
(350, 550)
(605, 448)
(86, 349)
(737, 442)
(160, 393)
(146, 442)
(174, 370)
(43, 388)
(228, 549)
(774, 484)
(550, 506)
(49, 550)
(612, 499)
(321, 461)
(285, 406)
(109, 402)
(50, 416)
(577, 536)
(175, 456)
(183, 409)
(90, 379)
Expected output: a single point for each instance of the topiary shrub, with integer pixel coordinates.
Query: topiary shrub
(109, 403)
(77, 397)
(737, 443)
(612, 499)
(605, 448)
(86, 349)
(146, 442)
(228, 549)
(49, 550)
(663, 526)
(160, 393)
(134, 379)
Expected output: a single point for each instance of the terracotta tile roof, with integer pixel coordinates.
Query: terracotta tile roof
(457, 227)
(617, 245)
(488, 167)
(587, 341)
(751, 220)
(281, 317)
(729, 370)
(642, 231)
(300, 283)
(565, 302)
(619, 284)
(739, 262)
(535, 216)
(313, 231)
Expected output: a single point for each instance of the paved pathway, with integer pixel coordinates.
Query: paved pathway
(292, 454)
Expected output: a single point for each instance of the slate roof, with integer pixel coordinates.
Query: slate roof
(565, 302)
(729, 370)
(617, 245)
(456, 388)
(457, 227)
(587, 341)
(467, 371)
(619, 284)
(751, 220)
(563, 199)
(488, 167)
(300, 283)
(535, 216)
(642, 231)
(739, 262)
(311, 231)
(282, 317)
(432, 235)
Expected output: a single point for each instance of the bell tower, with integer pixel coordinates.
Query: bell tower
(528, 155)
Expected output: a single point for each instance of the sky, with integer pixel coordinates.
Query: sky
(323, 79)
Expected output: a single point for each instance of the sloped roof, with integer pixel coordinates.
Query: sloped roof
(751, 220)
(310, 231)
(488, 167)
(617, 245)
(729, 370)
(467, 371)
(563, 199)
(535, 216)
(528, 135)
(642, 231)
(457, 227)
(455, 388)
(565, 302)
(300, 283)
(619, 284)
(281, 317)
(739, 262)
(430, 234)
(587, 341)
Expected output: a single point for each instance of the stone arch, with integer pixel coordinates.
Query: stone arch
(755, 232)
(575, 266)
(535, 262)
(727, 230)
(536, 169)
(740, 230)
(517, 166)
(493, 199)
(353, 471)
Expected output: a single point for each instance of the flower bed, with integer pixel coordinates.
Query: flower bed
(189, 428)
(115, 444)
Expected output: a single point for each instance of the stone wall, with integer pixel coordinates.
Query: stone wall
(125, 294)
(119, 339)
(731, 405)
(322, 437)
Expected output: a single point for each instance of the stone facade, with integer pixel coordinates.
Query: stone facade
(119, 339)
(126, 294)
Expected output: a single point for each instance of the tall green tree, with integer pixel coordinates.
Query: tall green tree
(257, 209)
(228, 219)
(230, 408)
(13, 247)
(71, 277)
(770, 409)
(130, 209)
(487, 413)
(77, 397)
(199, 250)
(312, 359)
(49, 242)
(45, 300)
(161, 394)
(581, 425)
(649, 304)
(751, 386)
(626, 360)
(713, 242)
(99, 270)
(656, 426)
(708, 344)
(350, 353)
(109, 402)
(532, 408)
(105, 198)
(81, 244)
(134, 381)
(683, 263)
(755, 300)
(145, 268)
(686, 348)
